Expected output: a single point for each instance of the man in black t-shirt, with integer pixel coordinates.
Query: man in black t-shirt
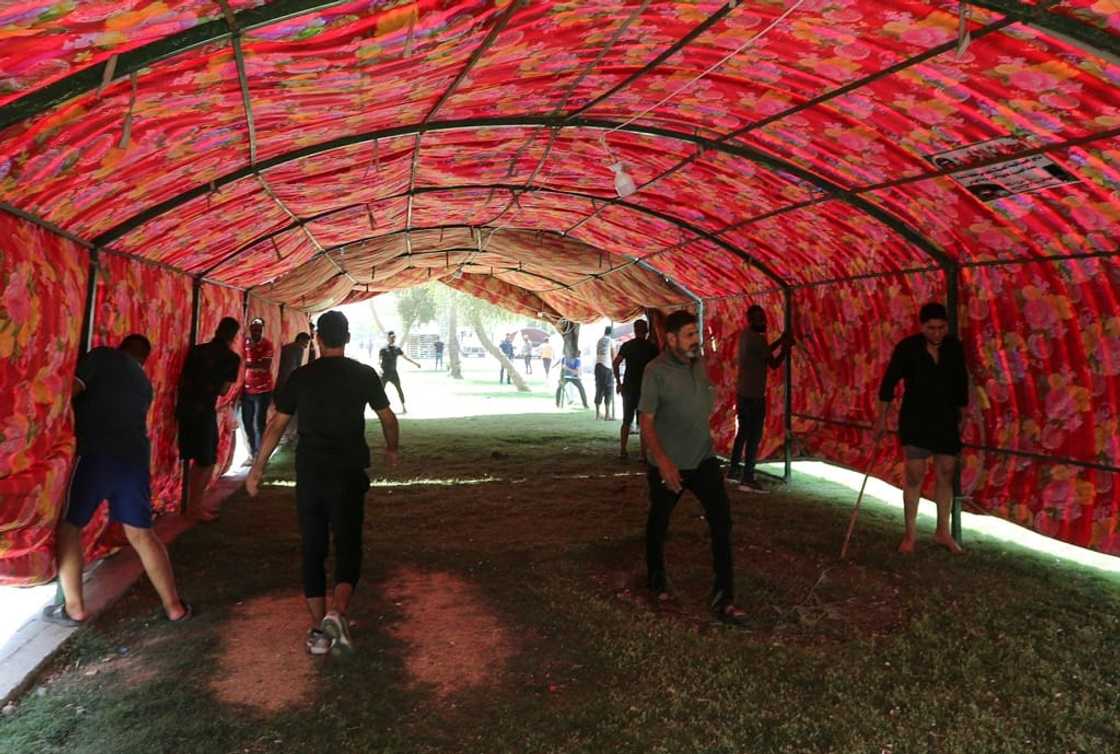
(208, 373)
(439, 353)
(329, 396)
(388, 359)
(635, 353)
(932, 366)
(111, 399)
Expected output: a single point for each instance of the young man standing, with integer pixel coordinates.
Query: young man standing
(387, 357)
(209, 372)
(570, 367)
(546, 357)
(330, 396)
(439, 353)
(527, 354)
(111, 399)
(506, 347)
(756, 357)
(291, 358)
(604, 382)
(256, 395)
(932, 366)
(635, 354)
(676, 403)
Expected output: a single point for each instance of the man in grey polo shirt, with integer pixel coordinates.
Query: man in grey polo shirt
(677, 399)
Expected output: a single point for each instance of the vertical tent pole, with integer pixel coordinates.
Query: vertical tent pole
(952, 295)
(788, 474)
(91, 303)
(196, 314)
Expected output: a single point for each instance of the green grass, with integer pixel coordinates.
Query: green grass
(998, 651)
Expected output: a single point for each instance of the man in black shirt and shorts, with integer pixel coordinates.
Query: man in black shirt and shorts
(932, 366)
(208, 373)
(388, 358)
(329, 396)
(635, 353)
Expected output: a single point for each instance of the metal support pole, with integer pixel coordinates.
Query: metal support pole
(952, 296)
(196, 314)
(788, 474)
(91, 303)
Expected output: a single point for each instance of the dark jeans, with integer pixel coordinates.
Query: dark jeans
(604, 385)
(579, 386)
(254, 417)
(330, 501)
(504, 377)
(706, 482)
(547, 364)
(394, 379)
(439, 360)
(751, 413)
(528, 364)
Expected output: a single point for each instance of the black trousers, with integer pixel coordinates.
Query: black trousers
(394, 379)
(604, 385)
(330, 501)
(706, 482)
(439, 360)
(254, 417)
(751, 413)
(504, 377)
(579, 386)
(547, 364)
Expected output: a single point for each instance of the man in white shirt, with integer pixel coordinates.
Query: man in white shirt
(604, 377)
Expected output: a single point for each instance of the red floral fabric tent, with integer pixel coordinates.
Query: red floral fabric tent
(837, 161)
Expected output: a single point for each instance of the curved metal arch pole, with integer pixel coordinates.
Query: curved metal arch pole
(672, 219)
(738, 150)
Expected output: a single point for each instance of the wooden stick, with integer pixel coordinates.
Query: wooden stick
(855, 511)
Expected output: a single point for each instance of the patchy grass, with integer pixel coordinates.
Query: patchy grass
(507, 615)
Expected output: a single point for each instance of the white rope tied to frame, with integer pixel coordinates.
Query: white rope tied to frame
(785, 14)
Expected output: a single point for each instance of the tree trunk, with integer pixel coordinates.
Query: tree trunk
(376, 319)
(453, 342)
(484, 339)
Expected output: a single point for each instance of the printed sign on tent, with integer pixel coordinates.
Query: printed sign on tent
(991, 182)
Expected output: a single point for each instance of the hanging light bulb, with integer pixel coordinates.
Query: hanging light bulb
(623, 183)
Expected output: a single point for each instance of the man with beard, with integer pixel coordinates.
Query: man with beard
(676, 403)
(932, 366)
(257, 393)
(756, 357)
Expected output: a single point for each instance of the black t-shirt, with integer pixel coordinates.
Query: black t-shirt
(207, 368)
(635, 355)
(935, 391)
(439, 346)
(111, 413)
(388, 357)
(330, 396)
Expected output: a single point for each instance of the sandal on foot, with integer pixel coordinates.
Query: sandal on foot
(57, 615)
(185, 616)
(730, 615)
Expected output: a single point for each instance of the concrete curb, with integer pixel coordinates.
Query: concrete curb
(36, 641)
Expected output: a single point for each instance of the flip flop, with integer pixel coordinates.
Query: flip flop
(57, 615)
(185, 616)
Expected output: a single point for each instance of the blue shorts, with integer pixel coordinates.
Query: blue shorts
(125, 484)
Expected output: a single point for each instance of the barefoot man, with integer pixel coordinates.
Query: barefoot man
(932, 366)
(329, 396)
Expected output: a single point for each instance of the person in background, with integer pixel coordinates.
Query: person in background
(506, 347)
(439, 353)
(291, 358)
(387, 357)
(570, 367)
(256, 395)
(111, 399)
(546, 357)
(209, 371)
(635, 354)
(604, 380)
(330, 397)
(527, 354)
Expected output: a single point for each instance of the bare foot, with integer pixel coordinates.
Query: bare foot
(948, 543)
(906, 547)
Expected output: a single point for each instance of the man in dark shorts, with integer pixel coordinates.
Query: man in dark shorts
(635, 354)
(756, 357)
(676, 404)
(256, 394)
(388, 358)
(112, 396)
(330, 396)
(291, 359)
(439, 345)
(604, 379)
(209, 372)
(932, 366)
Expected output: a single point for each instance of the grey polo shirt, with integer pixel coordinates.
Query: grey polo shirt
(680, 398)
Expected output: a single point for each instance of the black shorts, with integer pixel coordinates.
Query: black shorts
(630, 399)
(198, 437)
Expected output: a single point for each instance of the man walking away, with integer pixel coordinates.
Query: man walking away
(330, 396)
(604, 381)
(387, 357)
(570, 367)
(756, 357)
(208, 373)
(932, 366)
(291, 358)
(257, 392)
(546, 357)
(677, 400)
(506, 347)
(439, 353)
(112, 396)
(635, 354)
